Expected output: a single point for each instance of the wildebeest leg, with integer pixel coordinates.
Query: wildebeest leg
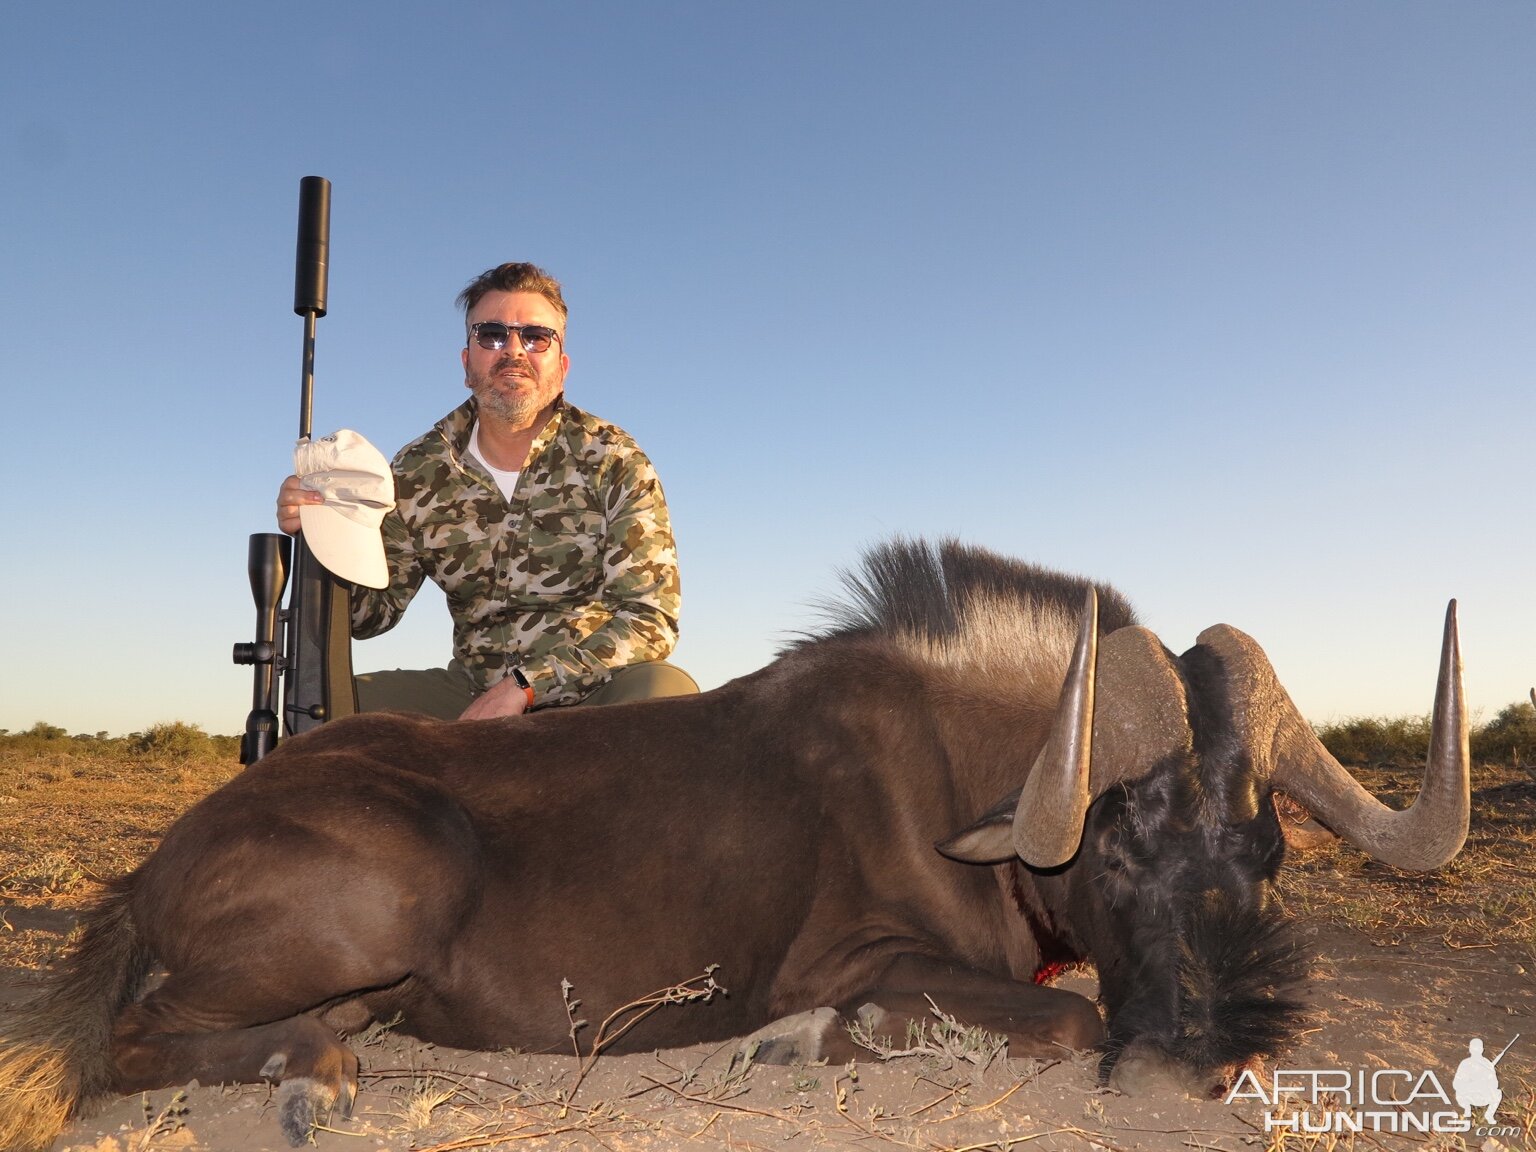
(1037, 1021)
(347, 1018)
(171, 1037)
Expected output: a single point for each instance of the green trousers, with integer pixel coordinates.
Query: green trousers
(446, 692)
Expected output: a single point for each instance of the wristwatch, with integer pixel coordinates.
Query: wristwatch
(522, 682)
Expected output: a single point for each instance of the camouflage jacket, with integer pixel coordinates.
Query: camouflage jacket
(574, 576)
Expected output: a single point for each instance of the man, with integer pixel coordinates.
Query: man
(545, 526)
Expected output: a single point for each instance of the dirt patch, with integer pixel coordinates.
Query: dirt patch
(1408, 969)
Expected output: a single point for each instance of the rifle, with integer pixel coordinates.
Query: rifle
(1506, 1048)
(310, 642)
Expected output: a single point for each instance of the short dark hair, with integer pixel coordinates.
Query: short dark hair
(513, 277)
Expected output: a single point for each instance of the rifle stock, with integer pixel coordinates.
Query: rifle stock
(310, 642)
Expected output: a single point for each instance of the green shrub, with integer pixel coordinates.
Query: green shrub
(174, 741)
(1510, 737)
(225, 747)
(1367, 740)
(41, 739)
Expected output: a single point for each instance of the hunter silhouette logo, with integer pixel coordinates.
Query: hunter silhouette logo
(1476, 1082)
(1317, 1100)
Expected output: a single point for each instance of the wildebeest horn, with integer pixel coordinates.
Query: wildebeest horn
(1423, 836)
(1119, 714)
(1048, 823)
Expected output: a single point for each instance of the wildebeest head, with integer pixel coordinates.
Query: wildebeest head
(1147, 831)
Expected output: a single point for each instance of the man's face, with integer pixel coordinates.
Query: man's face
(514, 385)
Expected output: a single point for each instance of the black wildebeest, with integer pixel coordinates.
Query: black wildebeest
(783, 827)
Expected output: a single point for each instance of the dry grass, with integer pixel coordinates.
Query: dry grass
(1483, 899)
(76, 813)
(76, 816)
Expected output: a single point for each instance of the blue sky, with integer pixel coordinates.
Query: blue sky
(1229, 305)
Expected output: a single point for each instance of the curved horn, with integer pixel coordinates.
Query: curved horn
(1126, 707)
(1423, 836)
(1048, 822)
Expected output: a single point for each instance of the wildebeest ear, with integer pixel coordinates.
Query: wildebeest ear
(989, 840)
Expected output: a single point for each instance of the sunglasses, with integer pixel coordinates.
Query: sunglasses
(492, 335)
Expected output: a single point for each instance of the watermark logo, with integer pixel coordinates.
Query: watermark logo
(1476, 1082)
(1318, 1100)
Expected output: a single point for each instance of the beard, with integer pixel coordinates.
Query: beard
(514, 399)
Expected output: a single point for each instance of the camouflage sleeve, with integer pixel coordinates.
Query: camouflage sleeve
(376, 610)
(635, 618)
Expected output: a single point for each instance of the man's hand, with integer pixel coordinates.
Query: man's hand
(290, 497)
(504, 698)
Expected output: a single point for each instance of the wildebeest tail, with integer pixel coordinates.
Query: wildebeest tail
(55, 1050)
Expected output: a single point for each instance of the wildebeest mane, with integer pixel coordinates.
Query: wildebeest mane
(936, 592)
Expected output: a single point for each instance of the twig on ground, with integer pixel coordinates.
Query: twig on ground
(946, 1040)
(705, 1102)
(156, 1124)
(701, 987)
(1096, 1139)
(491, 1139)
(339, 1131)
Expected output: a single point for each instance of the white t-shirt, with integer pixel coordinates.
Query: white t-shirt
(506, 481)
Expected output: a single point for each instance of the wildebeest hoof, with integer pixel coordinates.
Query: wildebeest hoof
(871, 1017)
(301, 1103)
(1144, 1070)
(798, 1039)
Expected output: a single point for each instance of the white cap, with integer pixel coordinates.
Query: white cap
(359, 489)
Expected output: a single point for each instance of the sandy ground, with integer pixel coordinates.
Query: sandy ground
(1410, 1006)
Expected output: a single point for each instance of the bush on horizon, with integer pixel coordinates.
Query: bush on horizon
(1510, 737)
(174, 740)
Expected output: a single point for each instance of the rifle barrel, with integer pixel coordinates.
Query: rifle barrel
(312, 258)
(1506, 1048)
(311, 271)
